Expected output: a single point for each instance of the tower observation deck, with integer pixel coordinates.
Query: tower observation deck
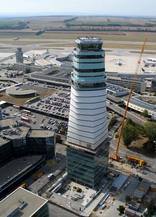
(87, 125)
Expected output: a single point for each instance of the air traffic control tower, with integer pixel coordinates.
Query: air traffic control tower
(87, 151)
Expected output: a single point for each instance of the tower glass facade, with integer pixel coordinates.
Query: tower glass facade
(87, 127)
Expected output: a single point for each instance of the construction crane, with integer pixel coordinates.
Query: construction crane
(116, 155)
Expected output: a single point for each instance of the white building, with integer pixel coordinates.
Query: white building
(140, 106)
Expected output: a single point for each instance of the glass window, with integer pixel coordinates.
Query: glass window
(89, 56)
(89, 70)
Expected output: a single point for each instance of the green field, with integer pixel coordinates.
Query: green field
(79, 22)
(43, 31)
(12, 24)
(71, 35)
(126, 40)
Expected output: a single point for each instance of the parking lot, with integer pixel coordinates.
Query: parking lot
(57, 104)
(35, 120)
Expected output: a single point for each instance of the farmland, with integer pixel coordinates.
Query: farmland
(127, 40)
(80, 23)
(61, 31)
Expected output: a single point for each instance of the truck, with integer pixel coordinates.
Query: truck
(136, 160)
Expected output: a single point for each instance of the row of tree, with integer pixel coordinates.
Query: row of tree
(132, 131)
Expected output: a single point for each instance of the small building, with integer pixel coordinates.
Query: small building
(140, 105)
(132, 213)
(18, 137)
(19, 55)
(41, 142)
(139, 86)
(26, 141)
(141, 191)
(116, 90)
(24, 203)
(119, 182)
(5, 151)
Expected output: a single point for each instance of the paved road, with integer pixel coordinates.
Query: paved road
(131, 115)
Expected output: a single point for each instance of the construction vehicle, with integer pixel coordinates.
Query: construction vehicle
(116, 156)
(136, 160)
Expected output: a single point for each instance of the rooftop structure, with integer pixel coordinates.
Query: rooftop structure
(15, 133)
(19, 92)
(141, 191)
(119, 182)
(116, 90)
(23, 203)
(89, 43)
(41, 133)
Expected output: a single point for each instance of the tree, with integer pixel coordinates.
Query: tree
(121, 210)
(129, 134)
(145, 113)
(150, 130)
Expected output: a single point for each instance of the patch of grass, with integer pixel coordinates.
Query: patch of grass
(12, 24)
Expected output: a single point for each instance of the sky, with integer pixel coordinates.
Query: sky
(78, 7)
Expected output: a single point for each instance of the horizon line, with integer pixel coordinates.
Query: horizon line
(44, 14)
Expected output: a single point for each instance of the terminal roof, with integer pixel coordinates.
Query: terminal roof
(41, 133)
(21, 201)
(15, 168)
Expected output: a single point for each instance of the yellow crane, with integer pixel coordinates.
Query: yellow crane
(116, 155)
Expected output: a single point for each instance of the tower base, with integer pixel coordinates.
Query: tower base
(87, 167)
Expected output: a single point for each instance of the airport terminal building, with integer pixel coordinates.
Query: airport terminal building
(22, 151)
(23, 141)
(87, 152)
